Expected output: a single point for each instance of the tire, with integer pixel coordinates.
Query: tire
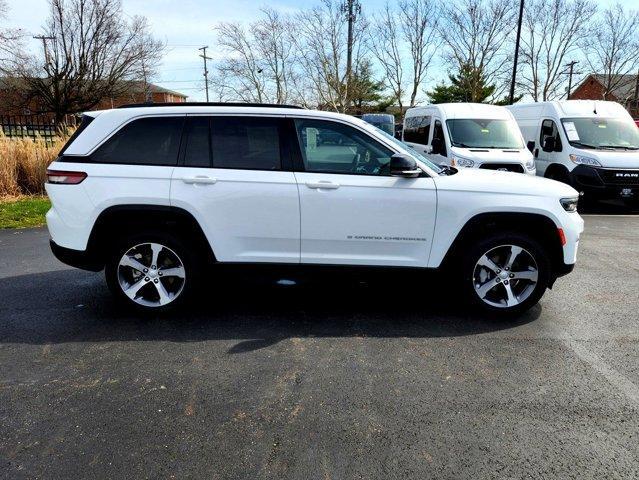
(486, 271)
(559, 174)
(152, 290)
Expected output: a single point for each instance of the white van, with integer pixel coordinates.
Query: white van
(591, 145)
(472, 135)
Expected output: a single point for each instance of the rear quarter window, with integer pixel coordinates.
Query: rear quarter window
(145, 141)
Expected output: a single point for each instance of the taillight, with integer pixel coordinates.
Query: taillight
(65, 178)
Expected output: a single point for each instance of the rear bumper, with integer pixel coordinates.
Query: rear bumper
(606, 183)
(75, 258)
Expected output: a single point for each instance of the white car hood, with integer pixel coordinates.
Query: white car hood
(613, 158)
(494, 155)
(492, 181)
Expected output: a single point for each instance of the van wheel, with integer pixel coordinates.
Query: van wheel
(151, 272)
(559, 174)
(505, 273)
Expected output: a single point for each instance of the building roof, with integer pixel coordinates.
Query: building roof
(623, 85)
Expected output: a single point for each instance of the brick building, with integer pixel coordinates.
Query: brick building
(136, 92)
(624, 91)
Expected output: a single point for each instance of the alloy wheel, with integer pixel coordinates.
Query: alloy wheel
(505, 276)
(151, 274)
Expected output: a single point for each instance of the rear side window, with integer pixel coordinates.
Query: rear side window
(198, 146)
(416, 129)
(246, 143)
(146, 141)
(84, 123)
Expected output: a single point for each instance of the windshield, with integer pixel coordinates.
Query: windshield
(412, 152)
(601, 133)
(484, 133)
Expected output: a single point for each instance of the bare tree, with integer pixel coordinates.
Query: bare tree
(9, 37)
(475, 33)
(613, 48)
(420, 22)
(387, 45)
(92, 54)
(551, 33)
(259, 65)
(321, 54)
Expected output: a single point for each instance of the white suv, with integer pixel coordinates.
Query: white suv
(156, 195)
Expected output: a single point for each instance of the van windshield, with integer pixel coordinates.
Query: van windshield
(484, 133)
(601, 133)
(412, 152)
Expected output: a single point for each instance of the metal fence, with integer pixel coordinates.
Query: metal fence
(32, 126)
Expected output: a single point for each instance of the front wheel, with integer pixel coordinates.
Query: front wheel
(506, 273)
(150, 272)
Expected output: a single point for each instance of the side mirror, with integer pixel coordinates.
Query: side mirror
(549, 144)
(530, 145)
(404, 166)
(437, 145)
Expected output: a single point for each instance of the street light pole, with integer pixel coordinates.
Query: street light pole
(511, 97)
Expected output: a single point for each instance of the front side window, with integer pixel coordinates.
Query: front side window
(146, 141)
(332, 147)
(601, 133)
(483, 133)
(246, 143)
(549, 129)
(417, 129)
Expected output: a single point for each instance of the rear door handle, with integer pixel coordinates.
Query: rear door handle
(323, 185)
(199, 179)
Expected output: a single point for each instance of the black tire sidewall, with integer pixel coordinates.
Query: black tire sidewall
(484, 245)
(175, 243)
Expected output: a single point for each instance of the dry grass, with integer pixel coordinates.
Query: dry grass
(23, 164)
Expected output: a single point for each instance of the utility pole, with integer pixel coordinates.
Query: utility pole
(571, 67)
(44, 39)
(206, 72)
(511, 97)
(351, 8)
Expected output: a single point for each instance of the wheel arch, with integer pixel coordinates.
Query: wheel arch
(538, 226)
(120, 220)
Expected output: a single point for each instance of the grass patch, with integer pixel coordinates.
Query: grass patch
(23, 212)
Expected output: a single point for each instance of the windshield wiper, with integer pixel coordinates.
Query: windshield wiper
(581, 144)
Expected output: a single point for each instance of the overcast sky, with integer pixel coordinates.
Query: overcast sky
(186, 25)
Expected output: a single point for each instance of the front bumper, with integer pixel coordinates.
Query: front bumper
(606, 183)
(76, 258)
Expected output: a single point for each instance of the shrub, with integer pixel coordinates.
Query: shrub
(24, 162)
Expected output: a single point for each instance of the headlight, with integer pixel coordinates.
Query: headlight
(462, 162)
(585, 160)
(530, 164)
(569, 204)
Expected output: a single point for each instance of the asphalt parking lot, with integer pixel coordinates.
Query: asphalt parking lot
(330, 378)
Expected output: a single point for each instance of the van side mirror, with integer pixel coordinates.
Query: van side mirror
(530, 145)
(404, 166)
(437, 145)
(549, 144)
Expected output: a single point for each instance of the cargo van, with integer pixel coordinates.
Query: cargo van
(468, 135)
(591, 145)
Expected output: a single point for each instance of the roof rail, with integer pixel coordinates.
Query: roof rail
(208, 104)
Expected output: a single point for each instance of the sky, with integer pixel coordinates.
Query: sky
(186, 25)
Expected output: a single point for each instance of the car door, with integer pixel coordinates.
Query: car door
(235, 178)
(352, 210)
(542, 158)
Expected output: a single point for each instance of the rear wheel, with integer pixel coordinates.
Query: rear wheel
(151, 272)
(506, 273)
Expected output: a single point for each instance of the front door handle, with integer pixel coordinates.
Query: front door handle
(199, 179)
(323, 184)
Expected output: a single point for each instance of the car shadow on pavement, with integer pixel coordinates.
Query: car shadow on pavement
(257, 310)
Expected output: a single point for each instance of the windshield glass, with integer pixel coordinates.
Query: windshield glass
(484, 133)
(412, 152)
(601, 133)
